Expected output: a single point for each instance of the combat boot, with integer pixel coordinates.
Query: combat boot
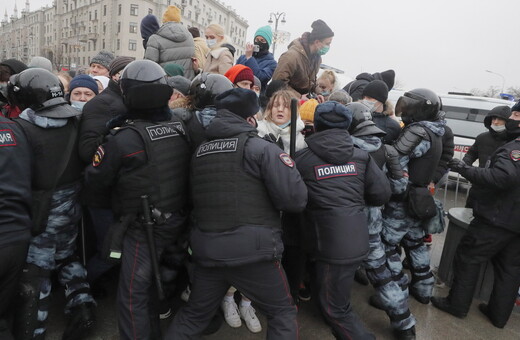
(445, 305)
(81, 320)
(405, 334)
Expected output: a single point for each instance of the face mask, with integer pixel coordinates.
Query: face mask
(211, 42)
(325, 94)
(78, 105)
(512, 126)
(370, 104)
(323, 50)
(262, 46)
(498, 128)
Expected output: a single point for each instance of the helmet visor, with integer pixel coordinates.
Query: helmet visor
(407, 106)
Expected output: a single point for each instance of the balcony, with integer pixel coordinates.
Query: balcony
(92, 36)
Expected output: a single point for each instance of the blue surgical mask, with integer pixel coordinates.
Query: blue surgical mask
(325, 94)
(77, 105)
(211, 42)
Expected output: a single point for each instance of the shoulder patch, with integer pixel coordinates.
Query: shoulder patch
(515, 155)
(287, 160)
(98, 156)
(217, 146)
(329, 170)
(167, 130)
(7, 138)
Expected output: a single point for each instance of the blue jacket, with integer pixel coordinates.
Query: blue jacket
(263, 67)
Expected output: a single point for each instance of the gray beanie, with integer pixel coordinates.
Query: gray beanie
(103, 58)
(180, 84)
(40, 62)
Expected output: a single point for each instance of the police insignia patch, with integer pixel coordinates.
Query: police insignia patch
(98, 156)
(287, 160)
(515, 155)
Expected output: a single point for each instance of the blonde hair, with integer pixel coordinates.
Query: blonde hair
(219, 31)
(285, 96)
(331, 76)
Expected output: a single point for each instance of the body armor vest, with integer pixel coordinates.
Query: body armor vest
(422, 169)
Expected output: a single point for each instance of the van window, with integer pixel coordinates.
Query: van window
(464, 113)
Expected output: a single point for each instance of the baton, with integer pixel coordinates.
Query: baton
(294, 116)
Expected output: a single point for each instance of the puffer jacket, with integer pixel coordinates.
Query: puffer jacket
(172, 43)
(263, 66)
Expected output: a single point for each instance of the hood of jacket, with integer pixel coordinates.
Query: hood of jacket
(227, 124)
(174, 31)
(334, 146)
(367, 143)
(437, 127)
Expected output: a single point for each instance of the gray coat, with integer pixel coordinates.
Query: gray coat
(172, 43)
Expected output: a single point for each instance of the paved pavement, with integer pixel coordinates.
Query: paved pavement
(432, 323)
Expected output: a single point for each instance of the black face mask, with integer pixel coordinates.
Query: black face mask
(263, 46)
(512, 127)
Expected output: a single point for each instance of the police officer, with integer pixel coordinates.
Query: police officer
(51, 126)
(15, 221)
(494, 233)
(341, 180)
(389, 297)
(239, 184)
(148, 155)
(420, 148)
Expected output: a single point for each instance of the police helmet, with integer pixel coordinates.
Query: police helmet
(418, 105)
(144, 85)
(206, 86)
(41, 91)
(362, 124)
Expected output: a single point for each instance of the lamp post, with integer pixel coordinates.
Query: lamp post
(277, 17)
(503, 79)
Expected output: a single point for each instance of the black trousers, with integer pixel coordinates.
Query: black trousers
(483, 242)
(265, 283)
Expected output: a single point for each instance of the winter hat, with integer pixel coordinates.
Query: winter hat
(307, 109)
(257, 82)
(320, 31)
(376, 89)
(240, 72)
(387, 76)
(172, 13)
(103, 80)
(83, 80)
(149, 26)
(40, 62)
(242, 102)
(16, 66)
(332, 115)
(118, 64)
(180, 84)
(173, 69)
(516, 107)
(266, 32)
(103, 58)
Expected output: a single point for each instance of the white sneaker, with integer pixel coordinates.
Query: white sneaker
(248, 314)
(185, 295)
(230, 310)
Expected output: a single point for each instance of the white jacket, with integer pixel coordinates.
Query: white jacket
(266, 127)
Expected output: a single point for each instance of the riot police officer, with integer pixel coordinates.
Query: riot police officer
(341, 180)
(420, 148)
(51, 127)
(148, 156)
(494, 233)
(239, 183)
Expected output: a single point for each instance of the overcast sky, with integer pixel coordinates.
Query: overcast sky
(444, 45)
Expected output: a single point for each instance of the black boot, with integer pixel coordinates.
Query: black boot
(361, 276)
(483, 308)
(422, 299)
(405, 334)
(445, 305)
(375, 301)
(82, 319)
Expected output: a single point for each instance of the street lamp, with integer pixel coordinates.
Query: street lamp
(503, 79)
(277, 17)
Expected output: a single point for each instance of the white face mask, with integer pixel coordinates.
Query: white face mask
(370, 104)
(211, 42)
(498, 128)
(78, 105)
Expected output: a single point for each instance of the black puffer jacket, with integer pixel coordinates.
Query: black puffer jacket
(388, 125)
(448, 146)
(342, 181)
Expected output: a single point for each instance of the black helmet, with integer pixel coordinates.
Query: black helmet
(418, 105)
(41, 91)
(206, 86)
(362, 124)
(144, 86)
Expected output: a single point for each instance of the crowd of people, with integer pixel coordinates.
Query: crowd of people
(256, 176)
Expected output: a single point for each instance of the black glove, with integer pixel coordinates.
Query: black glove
(457, 165)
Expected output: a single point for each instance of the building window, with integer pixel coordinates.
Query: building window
(132, 45)
(133, 27)
(105, 10)
(103, 44)
(150, 11)
(104, 27)
(119, 8)
(134, 9)
(119, 27)
(118, 44)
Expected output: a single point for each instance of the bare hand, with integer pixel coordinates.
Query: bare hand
(249, 50)
(320, 99)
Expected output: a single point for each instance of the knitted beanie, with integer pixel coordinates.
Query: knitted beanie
(376, 89)
(320, 31)
(242, 102)
(40, 62)
(266, 32)
(118, 64)
(516, 107)
(172, 13)
(103, 58)
(83, 80)
(16, 66)
(307, 109)
(173, 69)
(331, 115)
(240, 72)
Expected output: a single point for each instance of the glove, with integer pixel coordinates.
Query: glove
(457, 165)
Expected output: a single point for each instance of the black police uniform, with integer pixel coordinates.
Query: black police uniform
(341, 181)
(148, 156)
(494, 234)
(239, 184)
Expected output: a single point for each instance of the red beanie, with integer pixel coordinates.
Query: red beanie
(240, 72)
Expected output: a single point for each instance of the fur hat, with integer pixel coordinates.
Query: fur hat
(332, 115)
(320, 31)
(376, 89)
(266, 32)
(242, 102)
(240, 72)
(307, 109)
(172, 13)
(103, 58)
(83, 80)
